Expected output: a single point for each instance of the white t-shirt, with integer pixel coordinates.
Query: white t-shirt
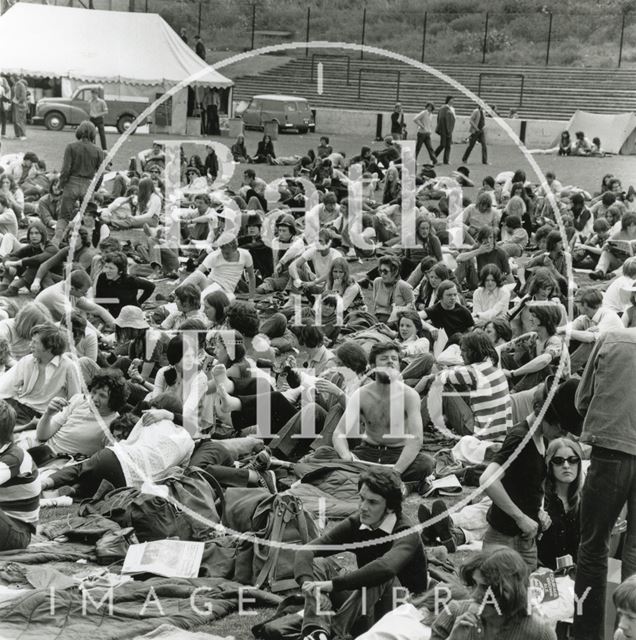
(614, 297)
(149, 451)
(79, 429)
(227, 274)
(55, 299)
(321, 264)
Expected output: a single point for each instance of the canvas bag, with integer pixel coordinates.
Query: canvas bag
(288, 522)
(155, 518)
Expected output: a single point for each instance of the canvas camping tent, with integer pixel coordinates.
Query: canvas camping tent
(616, 131)
(131, 54)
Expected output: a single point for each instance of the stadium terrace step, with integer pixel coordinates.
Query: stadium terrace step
(548, 92)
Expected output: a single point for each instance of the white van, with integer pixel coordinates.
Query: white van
(287, 112)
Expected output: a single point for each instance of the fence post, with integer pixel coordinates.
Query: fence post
(199, 21)
(364, 28)
(146, 6)
(307, 31)
(547, 50)
(620, 46)
(397, 97)
(483, 55)
(253, 24)
(424, 35)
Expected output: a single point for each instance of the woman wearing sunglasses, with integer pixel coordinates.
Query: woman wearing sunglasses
(563, 485)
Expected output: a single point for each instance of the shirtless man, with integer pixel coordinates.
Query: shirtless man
(372, 407)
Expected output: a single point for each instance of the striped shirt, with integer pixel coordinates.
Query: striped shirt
(488, 396)
(19, 485)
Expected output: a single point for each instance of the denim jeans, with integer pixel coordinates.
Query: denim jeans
(340, 613)
(609, 485)
(526, 547)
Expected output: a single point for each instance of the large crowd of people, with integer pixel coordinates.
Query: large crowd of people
(126, 345)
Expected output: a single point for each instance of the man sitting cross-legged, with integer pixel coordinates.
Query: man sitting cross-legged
(390, 411)
(386, 573)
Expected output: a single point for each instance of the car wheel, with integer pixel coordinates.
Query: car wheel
(124, 123)
(54, 121)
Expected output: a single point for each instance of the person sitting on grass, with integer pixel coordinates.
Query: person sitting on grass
(150, 450)
(19, 487)
(80, 425)
(625, 602)
(46, 373)
(498, 607)
(333, 600)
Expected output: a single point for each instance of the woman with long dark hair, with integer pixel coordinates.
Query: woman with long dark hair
(540, 354)
(265, 151)
(429, 246)
(498, 606)
(563, 487)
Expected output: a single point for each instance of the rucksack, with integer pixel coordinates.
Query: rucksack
(289, 523)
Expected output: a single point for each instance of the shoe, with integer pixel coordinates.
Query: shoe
(597, 275)
(260, 462)
(444, 526)
(427, 534)
(267, 480)
(23, 137)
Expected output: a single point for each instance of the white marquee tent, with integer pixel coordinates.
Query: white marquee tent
(616, 131)
(129, 53)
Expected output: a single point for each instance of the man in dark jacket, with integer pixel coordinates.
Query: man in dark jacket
(373, 588)
(606, 399)
(445, 127)
(82, 159)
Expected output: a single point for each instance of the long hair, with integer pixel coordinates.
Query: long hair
(29, 316)
(575, 489)
(477, 347)
(506, 575)
(146, 189)
(344, 265)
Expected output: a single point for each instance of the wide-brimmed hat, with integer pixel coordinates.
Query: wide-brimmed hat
(131, 317)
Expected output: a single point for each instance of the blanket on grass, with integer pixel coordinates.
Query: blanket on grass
(126, 611)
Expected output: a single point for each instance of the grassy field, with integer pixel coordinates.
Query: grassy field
(584, 172)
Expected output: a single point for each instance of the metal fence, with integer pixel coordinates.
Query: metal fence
(595, 38)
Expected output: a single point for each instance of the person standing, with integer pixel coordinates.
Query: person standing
(5, 103)
(397, 122)
(477, 124)
(97, 109)
(199, 47)
(605, 399)
(445, 127)
(183, 34)
(82, 159)
(424, 122)
(20, 108)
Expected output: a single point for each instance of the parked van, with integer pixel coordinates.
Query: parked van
(287, 112)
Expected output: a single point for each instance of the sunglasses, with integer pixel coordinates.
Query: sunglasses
(384, 272)
(571, 460)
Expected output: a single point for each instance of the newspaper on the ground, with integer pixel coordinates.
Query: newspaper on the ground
(167, 558)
